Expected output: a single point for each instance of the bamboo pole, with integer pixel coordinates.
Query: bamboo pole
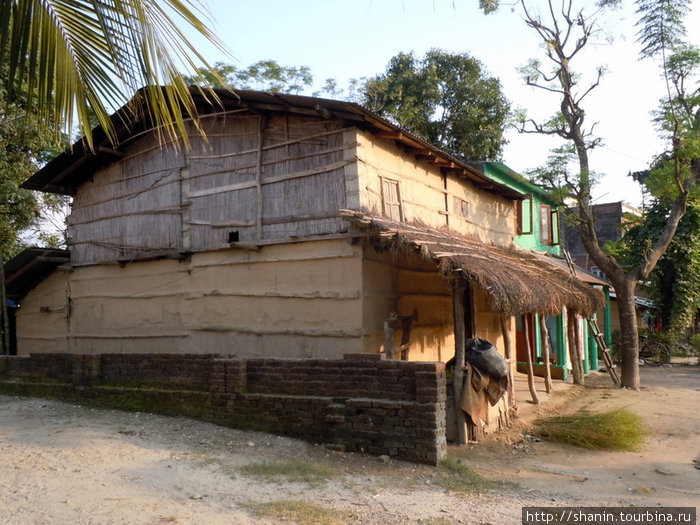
(259, 177)
(458, 287)
(530, 371)
(544, 332)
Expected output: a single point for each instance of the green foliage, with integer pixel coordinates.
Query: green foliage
(25, 143)
(264, 75)
(661, 24)
(447, 99)
(96, 55)
(674, 284)
(616, 430)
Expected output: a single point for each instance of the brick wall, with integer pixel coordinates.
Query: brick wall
(359, 403)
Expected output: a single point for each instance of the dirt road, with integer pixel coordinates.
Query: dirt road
(62, 463)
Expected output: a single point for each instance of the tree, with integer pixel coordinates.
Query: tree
(447, 99)
(24, 145)
(91, 55)
(674, 284)
(565, 33)
(264, 75)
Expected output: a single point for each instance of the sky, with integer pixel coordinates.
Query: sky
(344, 39)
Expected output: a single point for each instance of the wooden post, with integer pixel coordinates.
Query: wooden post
(5, 340)
(388, 338)
(509, 358)
(544, 332)
(573, 347)
(579, 345)
(530, 371)
(458, 287)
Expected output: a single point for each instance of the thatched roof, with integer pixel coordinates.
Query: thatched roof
(517, 281)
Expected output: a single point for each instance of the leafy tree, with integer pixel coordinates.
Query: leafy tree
(264, 75)
(25, 144)
(91, 55)
(448, 99)
(674, 284)
(565, 33)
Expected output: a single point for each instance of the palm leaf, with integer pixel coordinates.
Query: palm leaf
(95, 54)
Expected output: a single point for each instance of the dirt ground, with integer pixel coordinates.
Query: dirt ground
(62, 463)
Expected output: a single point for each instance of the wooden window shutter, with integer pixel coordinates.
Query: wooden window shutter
(391, 200)
(523, 212)
(554, 220)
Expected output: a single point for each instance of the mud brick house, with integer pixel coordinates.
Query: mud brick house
(299, 228)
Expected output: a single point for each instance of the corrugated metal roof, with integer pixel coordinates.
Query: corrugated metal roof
(78, 163)
(31, 266)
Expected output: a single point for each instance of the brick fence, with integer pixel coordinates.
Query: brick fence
(359, 403)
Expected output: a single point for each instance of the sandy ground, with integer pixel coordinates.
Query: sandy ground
(62, 463)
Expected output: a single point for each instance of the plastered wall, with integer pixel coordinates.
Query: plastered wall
(296, 300)
(429, 196)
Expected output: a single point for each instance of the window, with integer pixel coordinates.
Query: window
(523, 214)
(460, 207)
(545, 224)
(391, 200)
(549, 225)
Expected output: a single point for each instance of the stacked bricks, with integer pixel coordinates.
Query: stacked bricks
(360, 403)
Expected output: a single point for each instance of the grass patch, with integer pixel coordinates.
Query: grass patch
(309, 472)
(615, 430)
(300, 512)
(455, 476)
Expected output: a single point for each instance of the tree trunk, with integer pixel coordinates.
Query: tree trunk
(629, 342)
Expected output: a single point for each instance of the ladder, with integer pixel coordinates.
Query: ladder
(593, 325)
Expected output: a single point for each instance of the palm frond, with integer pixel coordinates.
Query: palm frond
(74, 56)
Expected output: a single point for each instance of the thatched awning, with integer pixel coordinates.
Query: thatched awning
(517, 281)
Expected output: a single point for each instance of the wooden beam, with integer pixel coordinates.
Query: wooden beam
(389, 134)
(458, 287)
(530, 371)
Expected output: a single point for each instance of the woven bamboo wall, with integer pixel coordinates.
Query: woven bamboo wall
(257, 177)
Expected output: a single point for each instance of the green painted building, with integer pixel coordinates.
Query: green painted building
(538, 230)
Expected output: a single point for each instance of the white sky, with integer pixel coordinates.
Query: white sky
(356, 38)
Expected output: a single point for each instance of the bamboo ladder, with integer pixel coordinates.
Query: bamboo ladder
(593, 325)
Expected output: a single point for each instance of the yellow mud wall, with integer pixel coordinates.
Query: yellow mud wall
(429, 196)
(42, 320)
(291, 300)
(392, 285)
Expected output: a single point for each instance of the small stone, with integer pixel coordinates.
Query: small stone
(251, 444)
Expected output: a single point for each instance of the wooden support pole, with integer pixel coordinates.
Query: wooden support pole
(530, 371)
(544, 332)
(580, 352)
(574, 356)
(5, 329)
(512, 401)
(458, 287)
